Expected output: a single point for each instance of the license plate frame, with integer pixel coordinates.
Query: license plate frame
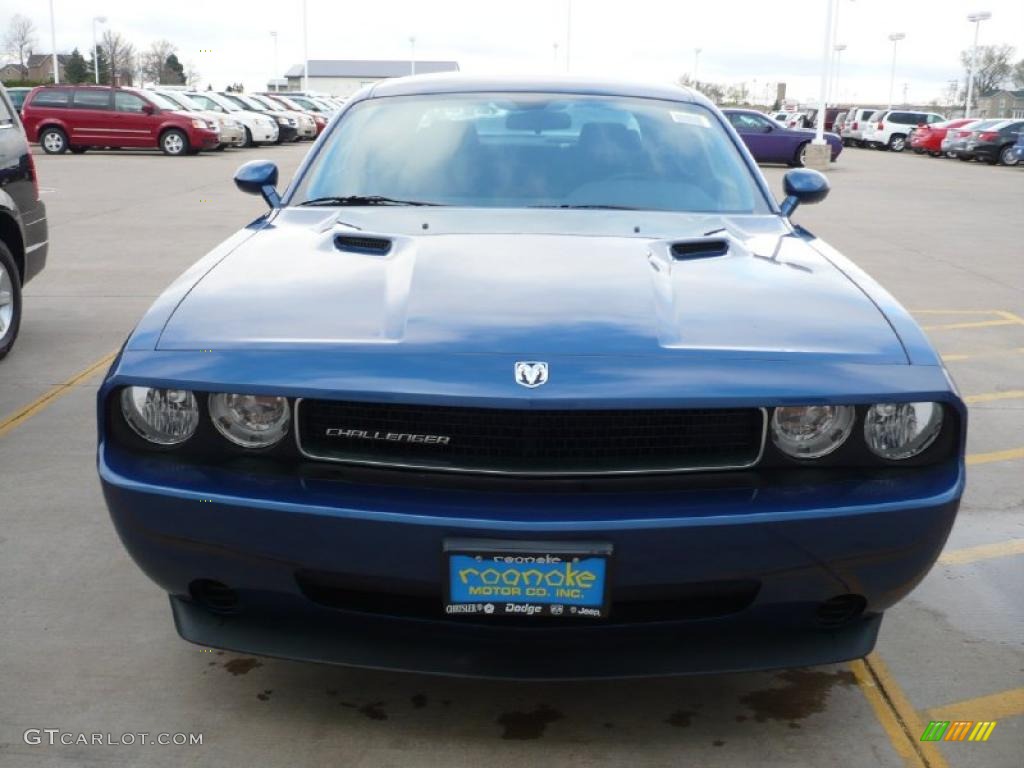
(540, 565)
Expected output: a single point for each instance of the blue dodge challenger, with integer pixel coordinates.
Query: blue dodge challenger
(531, 379)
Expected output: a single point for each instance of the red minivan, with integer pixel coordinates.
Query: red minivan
(77, 117)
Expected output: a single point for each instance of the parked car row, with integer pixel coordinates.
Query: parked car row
(75, 118)
(988, 140)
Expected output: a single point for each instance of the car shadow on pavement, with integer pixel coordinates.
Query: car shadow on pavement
(707, 708)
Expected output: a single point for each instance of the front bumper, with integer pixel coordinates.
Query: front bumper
(204, 139)
(264, 134)
(286, 133)
(231, 136)
(295, 548)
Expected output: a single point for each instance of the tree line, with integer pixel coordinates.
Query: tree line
(115, 58)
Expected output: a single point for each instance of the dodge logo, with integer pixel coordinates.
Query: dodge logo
(531, 374)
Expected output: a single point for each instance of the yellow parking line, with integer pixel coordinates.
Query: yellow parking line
(955, 311)
(52, 395)
(988, 397)
(995, 706)
(974, 324)
(988, 458)
(982, 552)
(894, 712)
(1010, 316)
(957, 357)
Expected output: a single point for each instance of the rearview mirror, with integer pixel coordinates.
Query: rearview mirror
(259, 177)
(803, 186)
(538, 120)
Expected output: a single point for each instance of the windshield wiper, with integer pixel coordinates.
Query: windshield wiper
(363, 200)
(590, 207)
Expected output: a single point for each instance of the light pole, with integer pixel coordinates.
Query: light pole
(826, 59)
(555, 46)
(977, 18)
(895, 37)
(95, 47)
(412, 55)
(305, 47)
(834, 83)
(53, 42)
(696, 66)
(273, 34)
(568, 34)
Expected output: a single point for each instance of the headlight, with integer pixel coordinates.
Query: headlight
(282, 119)
(902, 430)
(251, 421)
(811, 431)
(161, 416)
(197, 123)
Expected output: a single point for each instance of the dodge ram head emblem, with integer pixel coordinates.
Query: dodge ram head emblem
(531, 374)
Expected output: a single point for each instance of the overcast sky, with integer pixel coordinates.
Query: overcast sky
(741, 40)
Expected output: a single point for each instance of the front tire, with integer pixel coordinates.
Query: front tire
(247, 139)
(1008, 157)
(897, 143)
(800, 156)
(935, 154)
(174, 143)
(10, 300)
(53, 141)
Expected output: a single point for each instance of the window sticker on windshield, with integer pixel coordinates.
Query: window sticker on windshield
(690, 119)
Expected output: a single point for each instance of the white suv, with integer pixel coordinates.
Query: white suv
(890, 129)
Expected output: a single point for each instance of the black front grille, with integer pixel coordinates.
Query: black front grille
(530, 441)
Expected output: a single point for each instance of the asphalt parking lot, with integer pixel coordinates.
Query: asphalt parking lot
(87, 644)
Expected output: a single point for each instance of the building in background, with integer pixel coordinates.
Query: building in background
(1009, 104)
(40, 66)
(345, 77)
(10, 72)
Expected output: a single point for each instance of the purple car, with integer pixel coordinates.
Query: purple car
(772, 142)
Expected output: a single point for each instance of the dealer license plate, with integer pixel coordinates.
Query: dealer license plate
(526, 578)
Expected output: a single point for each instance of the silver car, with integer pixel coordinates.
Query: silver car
(853, 129)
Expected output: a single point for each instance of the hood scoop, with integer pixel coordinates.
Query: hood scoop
(699, 248)
(373, 246)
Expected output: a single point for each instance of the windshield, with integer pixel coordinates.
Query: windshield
(218, 102)
(239, 102)
(180, 102)
(288, 103)
(160, 101)
(265, 103)
(533, 150)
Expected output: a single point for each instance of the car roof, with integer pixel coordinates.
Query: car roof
(457, 82)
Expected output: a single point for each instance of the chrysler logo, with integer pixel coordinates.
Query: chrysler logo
(531, 374)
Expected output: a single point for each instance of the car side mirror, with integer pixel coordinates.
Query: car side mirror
(148, 109)
(803, 186)
(768, 129)
(259, 177)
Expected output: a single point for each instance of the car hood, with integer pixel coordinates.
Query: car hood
(505, 282)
